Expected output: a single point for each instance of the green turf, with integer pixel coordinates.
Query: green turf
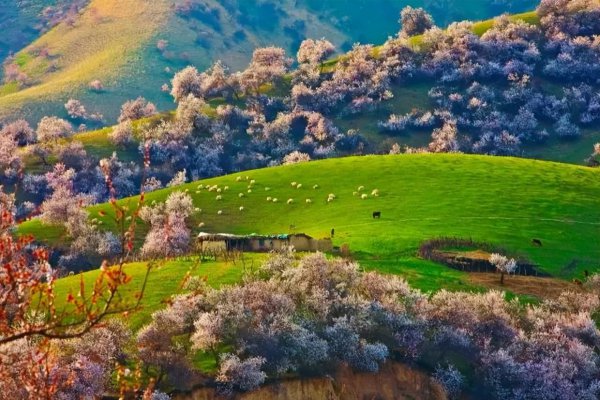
(164, 280)
(503, 201)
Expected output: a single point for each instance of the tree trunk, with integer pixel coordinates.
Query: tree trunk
(502, 278)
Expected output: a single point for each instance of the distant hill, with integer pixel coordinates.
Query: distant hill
(133, 46)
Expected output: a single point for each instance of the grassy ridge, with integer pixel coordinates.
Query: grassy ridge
(102, 41)
(503, 201)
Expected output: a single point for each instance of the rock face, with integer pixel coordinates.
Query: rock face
(393, 382)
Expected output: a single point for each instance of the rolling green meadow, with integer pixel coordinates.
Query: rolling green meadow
(497, 200)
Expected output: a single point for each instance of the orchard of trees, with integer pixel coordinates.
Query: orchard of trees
(516, 84)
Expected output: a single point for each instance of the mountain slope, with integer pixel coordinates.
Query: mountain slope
(125, 55)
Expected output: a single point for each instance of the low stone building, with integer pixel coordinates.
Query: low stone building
(215, 242)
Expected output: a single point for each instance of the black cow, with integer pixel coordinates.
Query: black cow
(377, 214)
(536, 242)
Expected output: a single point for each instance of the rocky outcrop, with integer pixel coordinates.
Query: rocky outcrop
(393, 382)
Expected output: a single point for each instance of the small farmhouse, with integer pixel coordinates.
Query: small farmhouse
(261, 243)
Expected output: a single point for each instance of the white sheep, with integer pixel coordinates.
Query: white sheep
(354, 193)
(196, 209)
(226, 188)
(219, 197)
(249, 190)
(361, 188)
(219, 190)
(247, 178)
(290, 201)
(375, 192)
(239, 178)
(198, 192)
(298, 186)
(308, 201)
(241, 208)
(294, 184)
(364, 196)
(315, 186)
(220, 212)
(275, 200)
(241, 195)
(186, 190)
(269, 198)
(267, 188)
(332, 195)
(252, 182)
(329, 199)
(201, 224)
(201, 186)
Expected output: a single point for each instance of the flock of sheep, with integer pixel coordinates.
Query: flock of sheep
(360, 193)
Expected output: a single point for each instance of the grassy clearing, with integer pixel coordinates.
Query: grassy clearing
(165, 279)
(501, 201)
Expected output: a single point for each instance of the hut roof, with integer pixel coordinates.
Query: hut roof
(229, 236)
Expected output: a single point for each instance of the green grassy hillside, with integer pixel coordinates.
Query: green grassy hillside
(502, 201)
(116, 42)
(164, 280)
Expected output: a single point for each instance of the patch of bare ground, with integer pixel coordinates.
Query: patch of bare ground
(542, 288)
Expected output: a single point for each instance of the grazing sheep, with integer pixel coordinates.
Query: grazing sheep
(329, 199)
(290, 201)
(315, 186)
(308, 201)
(252, 182)
(375, 192)
(226, 188)
(241, 195)
(219, 190)
(239, 178)
(267, 188)
(269, 198)
(332, 195)
(219, 197)
(294, 184)
(364, 196)
(361, 188)
(186, 190)
(241, 208)
(249, 190)
(220, 212)
(198, 192)
(275, 200)
(201, 186)
(354, 193)
(298, 186)
(197, 209)
(247, 178)
(201, 224)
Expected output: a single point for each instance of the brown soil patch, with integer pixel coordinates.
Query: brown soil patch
(542, 288)
(473, 254)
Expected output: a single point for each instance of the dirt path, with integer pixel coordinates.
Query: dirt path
(542, 288)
